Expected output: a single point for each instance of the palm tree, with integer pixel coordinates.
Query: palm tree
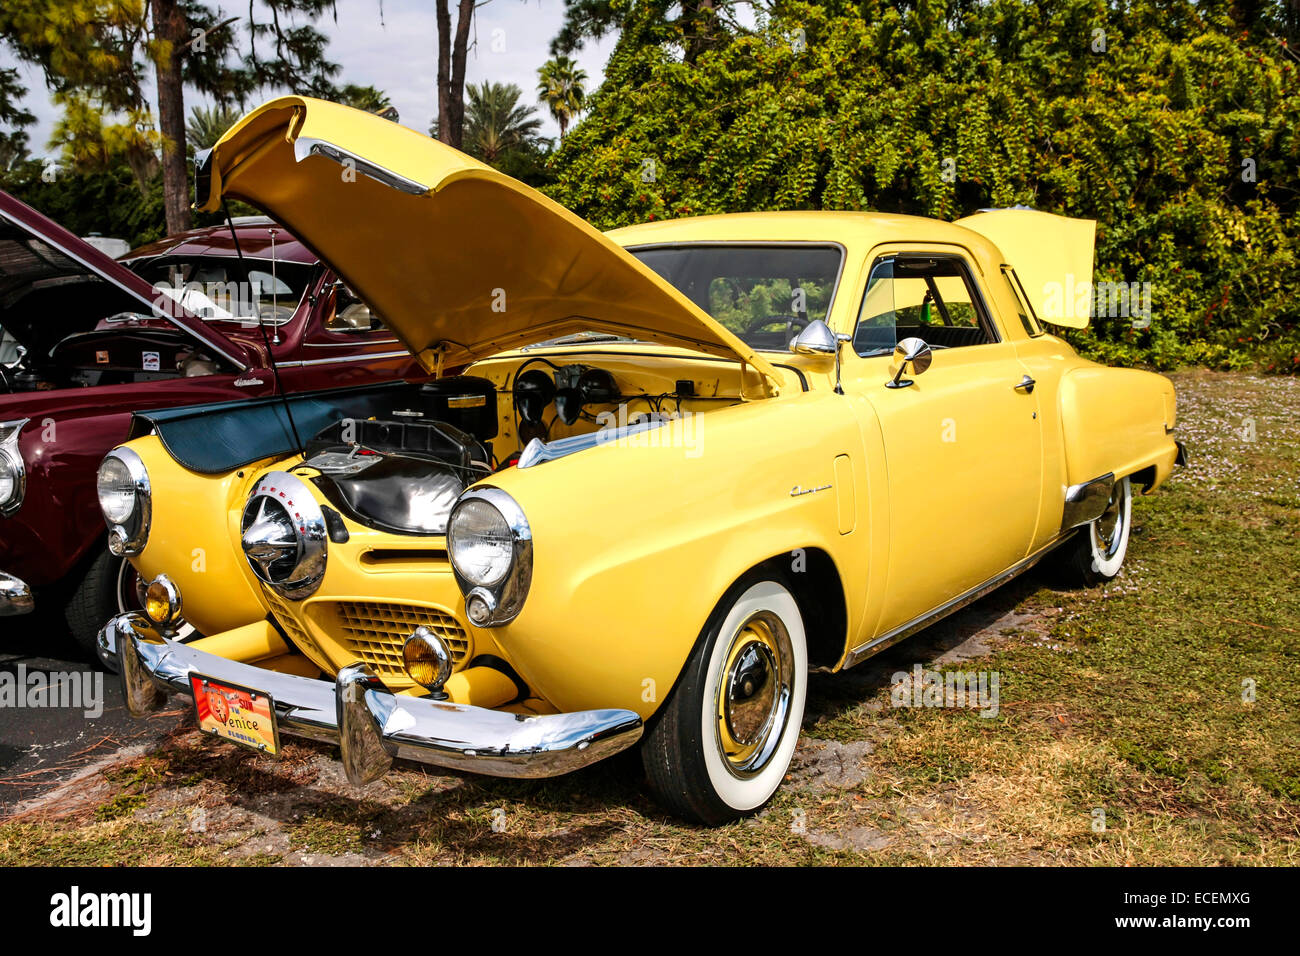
(364, 98)
(495, 122)
(208, 124)
(561, 89)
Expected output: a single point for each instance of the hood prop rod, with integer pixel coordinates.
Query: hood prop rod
(270, 355)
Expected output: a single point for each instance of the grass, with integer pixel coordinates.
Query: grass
(1164, 705)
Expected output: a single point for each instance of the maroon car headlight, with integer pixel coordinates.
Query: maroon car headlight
(13, 475)
(125, 500)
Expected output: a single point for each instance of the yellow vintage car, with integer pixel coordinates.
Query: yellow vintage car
(664, 472)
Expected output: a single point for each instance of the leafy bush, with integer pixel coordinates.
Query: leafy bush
(1149, 118)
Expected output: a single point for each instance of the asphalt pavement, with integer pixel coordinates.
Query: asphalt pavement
(59, 713)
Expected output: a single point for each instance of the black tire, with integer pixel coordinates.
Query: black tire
(1096, 551)
(756, 632)
(93, 601)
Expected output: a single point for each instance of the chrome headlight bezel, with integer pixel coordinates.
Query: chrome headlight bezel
(128, 537)
(503, 599)
(11, 459)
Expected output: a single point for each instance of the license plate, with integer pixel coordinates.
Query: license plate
(235, 713)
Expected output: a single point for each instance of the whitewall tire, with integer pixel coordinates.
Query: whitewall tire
(722, 743)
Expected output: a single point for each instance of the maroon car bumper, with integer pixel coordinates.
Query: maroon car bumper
(15, 596)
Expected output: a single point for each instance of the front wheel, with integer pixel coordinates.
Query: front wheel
(110, 587)
(1096, 552)
(723, 740)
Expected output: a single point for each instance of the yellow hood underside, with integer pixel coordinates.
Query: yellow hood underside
(460, 260)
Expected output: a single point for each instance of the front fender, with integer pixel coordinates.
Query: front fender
(634, 543)
(194, 538)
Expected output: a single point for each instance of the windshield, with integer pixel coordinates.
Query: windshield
(218, 288)
(764, 294)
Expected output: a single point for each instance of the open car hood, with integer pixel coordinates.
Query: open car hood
(1052, 256)
(459, 260)
(34, 249)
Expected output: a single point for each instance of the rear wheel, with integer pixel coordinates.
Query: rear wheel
(1096, 552)
(723, 740)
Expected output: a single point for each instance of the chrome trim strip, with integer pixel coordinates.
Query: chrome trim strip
(440, 733)
(346, 345)
(15, 596)
(1086, 501)
(302, 148)
(858, 654)
(9, 433)
(365, 356)
(160, 313)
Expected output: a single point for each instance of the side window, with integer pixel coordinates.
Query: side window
(1023, 308)
(349, 313)
(930, 296)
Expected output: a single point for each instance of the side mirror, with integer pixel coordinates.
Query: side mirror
(911, 351)
(817, 338)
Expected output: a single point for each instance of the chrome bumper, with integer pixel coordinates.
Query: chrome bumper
(15, 596)
(371, 725)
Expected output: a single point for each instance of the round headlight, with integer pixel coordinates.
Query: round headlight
(116, 491)
(123, 487)
(480, 543)
(12, 474)
(8, 479)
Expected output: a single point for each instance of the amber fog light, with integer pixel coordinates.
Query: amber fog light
(427, 660)
(162, 600)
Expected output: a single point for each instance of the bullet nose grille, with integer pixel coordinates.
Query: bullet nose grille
(375, 632)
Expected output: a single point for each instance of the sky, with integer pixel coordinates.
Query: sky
(397, 53)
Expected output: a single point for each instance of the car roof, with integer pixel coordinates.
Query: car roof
(859, 229)
(254, 233)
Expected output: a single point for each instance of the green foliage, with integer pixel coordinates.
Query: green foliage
(561, 86)
(1145, 126)
(207, 124)
(105, 201)
(496, 122)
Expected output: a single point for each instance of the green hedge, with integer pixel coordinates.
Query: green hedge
(839, 106)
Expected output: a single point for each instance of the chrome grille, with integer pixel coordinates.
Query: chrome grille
(375, 632)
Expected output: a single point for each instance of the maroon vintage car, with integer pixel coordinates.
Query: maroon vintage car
(86, 340)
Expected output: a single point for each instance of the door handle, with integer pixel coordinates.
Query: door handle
(1026, 385)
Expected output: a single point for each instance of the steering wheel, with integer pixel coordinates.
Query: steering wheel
(792, 323)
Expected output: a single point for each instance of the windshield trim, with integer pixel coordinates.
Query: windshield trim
(764, 243)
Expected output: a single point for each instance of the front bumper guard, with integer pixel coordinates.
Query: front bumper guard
(15, 596)
(370, 725)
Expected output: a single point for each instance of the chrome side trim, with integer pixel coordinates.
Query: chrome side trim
(15, 596)
(1085, 502)
(858, 654)
(303, 363)
(354, 712)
